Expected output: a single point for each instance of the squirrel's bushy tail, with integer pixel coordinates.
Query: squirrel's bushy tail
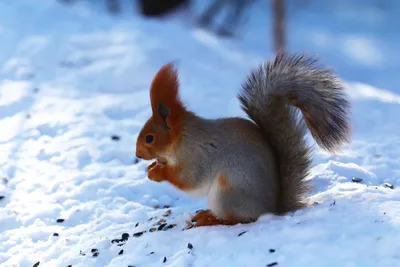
(272, 96)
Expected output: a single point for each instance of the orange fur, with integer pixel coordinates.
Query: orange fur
(159, 173)
(230, 219)
(223, 183)
(173, 177)
(207, 218)
(200, 214)
(151, 166)
(165, 90)
(156, 172)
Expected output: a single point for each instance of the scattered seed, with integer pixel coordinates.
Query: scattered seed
(153, 230)
(115, 138)
(2, 197)
(165, 259)
(190, 246)
(151, 253)
(334, 203)
(60, 220)
(271, 250)
(55, 234)
(242, 233)
(138, 234)
(81, 253)
(167, 213)
(94, 250)
(120, 245)
(169, 227)
(161, 226)
(95, 254)
(137, 224)
(121, 252)
(116, 241)
(36, 264)
(189, 226)
(69, 266)
(166, 206)
(357, 179)
(161, 221)
(272, 264)
(389, 185)
(125, 236)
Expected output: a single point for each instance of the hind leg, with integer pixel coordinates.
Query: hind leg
(208, 218)
(230, 205)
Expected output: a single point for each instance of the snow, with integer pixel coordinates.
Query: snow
(73, 76)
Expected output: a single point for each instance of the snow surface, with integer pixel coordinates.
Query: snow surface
(73, 76)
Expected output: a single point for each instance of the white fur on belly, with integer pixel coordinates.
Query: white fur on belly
(213, 196)
(201, 191)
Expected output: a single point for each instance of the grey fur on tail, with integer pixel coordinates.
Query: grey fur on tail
(272, 96)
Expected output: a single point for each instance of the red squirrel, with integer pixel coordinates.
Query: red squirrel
(247, 167)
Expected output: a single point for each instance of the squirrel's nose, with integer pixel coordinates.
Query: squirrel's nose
(139, 154)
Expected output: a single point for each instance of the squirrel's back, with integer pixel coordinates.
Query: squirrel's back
(236, 148)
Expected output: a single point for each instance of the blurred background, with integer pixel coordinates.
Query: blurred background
(116, 46)
(357, 37)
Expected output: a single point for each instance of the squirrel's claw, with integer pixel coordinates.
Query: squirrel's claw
(208, 218)
(151, 166)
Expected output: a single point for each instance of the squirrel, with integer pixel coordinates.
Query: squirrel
(247, 167)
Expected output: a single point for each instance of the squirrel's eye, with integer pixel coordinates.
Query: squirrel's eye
(149, 138)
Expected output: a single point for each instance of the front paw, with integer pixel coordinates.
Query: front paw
(151, 166)
(156, 172)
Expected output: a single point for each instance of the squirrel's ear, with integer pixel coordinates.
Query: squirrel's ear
(164, 95)
(163, 112)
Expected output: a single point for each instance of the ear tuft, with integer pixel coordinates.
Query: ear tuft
(164, 95)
